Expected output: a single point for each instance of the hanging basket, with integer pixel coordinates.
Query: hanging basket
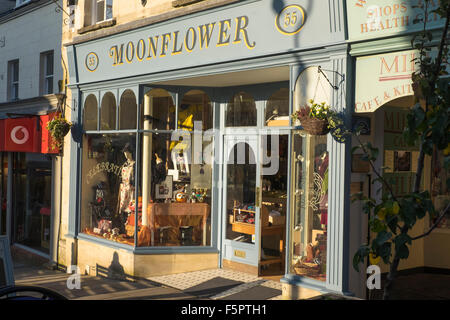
(314, 126)
(59, 127)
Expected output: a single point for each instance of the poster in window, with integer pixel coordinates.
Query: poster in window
(164, 189)
(402, 161)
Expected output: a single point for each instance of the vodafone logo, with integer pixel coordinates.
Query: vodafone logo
(19, 135)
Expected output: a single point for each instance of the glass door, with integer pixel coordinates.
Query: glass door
(242, 198)
(3, 189)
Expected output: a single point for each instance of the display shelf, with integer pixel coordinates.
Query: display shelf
(242, 227)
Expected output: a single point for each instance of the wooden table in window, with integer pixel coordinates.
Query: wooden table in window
(179, 209)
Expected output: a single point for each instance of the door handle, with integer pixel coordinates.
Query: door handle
(258, 197)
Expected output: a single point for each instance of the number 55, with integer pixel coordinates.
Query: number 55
(290, 20)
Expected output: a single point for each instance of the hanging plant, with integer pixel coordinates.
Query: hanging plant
(314, 118)
(58, 127)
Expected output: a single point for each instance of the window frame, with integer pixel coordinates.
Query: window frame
(13, 83)
(94, 11)
(44, 77)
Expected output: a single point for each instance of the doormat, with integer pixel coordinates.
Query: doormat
(255, 293)
(212, 287)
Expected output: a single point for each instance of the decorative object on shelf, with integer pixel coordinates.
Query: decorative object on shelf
(314, 118)
(199, 195)
(58, 127)
(181, 196)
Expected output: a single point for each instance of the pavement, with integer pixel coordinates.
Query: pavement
(214, 284)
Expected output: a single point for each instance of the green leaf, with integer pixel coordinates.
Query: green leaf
(359, 256)
(402, 252)
(385, 252)
(382, 237)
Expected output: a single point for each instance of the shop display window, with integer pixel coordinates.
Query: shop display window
(277, 109)
(90, 113)
(241, 111)
(175, 166)
(310, 206)
(3, 189)
(439, 190)
(127, 111)
(108, 112)
(108, 187)
(32, 188)
(176, 174)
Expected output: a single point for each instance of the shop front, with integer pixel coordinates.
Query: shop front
(26, 179)
(187, 157)
(384, 62)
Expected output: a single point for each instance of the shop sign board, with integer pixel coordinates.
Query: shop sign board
(21, 135)
(382, 78)
(247, 30)
(368, 19)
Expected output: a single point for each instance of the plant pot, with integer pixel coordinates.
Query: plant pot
(314, 126)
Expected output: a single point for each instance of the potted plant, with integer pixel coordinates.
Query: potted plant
(314, 118)
(58, 127)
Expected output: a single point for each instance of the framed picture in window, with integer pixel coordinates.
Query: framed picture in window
(164, 189)
(402, 161)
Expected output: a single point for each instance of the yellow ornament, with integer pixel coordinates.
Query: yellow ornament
(447, 150)
(382, 214)
(395, 208)
(374, 259)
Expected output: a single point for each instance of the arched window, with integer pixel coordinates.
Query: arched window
(195, 106)
(159, 114)
(277, 109)
(241, 111)
(108, 112)
(90, 113)
(127, 110)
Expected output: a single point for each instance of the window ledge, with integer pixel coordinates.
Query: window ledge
(182, 3)
(97, 26)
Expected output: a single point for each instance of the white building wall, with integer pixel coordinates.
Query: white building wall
(25, 37)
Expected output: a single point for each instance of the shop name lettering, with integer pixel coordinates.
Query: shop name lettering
(175, 42)
(394, 16)
(103, 167)
(392, 68)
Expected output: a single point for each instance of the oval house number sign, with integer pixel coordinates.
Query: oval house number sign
(290, 20)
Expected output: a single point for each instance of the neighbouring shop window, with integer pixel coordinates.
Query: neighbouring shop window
(439, 190)
(310, 206)
(3, 190)
(127, 110)
(176, 171)
(241, 193)
(277, 109)
(108, 112)
(90, 113)
(32, 187)
(108, 186)
(400, 160)
(241, 111)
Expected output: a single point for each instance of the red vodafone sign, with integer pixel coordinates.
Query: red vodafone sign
(22, 135)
